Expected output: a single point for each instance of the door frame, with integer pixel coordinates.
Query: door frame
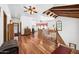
(4, 26)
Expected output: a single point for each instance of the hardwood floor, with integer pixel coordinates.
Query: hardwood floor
(35, 45)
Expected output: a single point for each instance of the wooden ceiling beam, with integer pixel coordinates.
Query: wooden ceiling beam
(68, 11)
(66, 7)
(70, 15)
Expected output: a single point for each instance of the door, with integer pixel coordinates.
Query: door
(4, 26)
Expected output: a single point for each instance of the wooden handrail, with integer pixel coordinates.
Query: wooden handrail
(59, 39)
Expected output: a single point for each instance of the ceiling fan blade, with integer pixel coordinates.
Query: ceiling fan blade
(35, 11)
(25, 7)
(30, 7)
(25, 11)
(34, 8)
(30, 12)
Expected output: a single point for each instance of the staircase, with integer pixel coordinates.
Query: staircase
(59, 39)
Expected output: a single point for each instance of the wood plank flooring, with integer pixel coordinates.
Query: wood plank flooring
(34, 45)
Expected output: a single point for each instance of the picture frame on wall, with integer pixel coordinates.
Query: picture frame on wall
(72, 45)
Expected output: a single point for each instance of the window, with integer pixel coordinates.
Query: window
(59, 25)
(16, 28)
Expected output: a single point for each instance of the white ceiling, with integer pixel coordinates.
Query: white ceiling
(17, 10)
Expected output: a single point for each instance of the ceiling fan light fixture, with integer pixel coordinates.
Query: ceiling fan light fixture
(30, 10)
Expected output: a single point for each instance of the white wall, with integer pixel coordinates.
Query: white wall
(70, 30)
(1, 28)
(6, 10)
(26, 22)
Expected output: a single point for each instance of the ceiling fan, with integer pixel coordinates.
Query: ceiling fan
(30, 9)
